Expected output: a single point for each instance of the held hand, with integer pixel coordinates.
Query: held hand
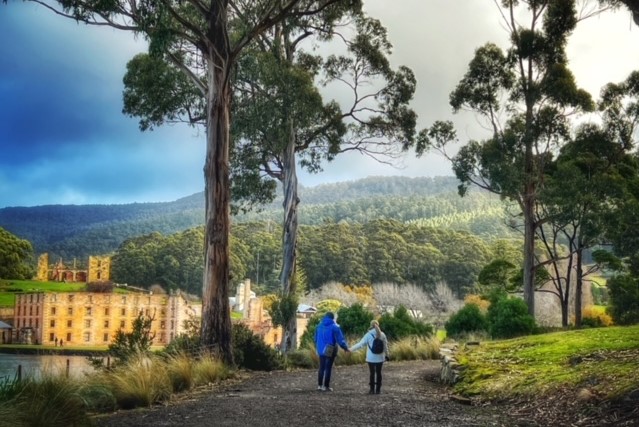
(387, 358)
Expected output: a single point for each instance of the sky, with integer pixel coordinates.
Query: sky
(64, 139)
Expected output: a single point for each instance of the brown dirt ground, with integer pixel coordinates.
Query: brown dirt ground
(411, 396)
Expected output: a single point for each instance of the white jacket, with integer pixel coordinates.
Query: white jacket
(367, 340)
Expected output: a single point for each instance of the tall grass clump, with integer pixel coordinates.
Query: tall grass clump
(51, 400)
(180, 371)
(142, 381)
(207, 370)
(415, 348)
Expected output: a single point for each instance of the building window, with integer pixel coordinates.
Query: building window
(30, 311)
(90, 299)
(19, 310)
(52, 323)
(105, 338)
(106, 323)
(89, 311)
(87, 323)
(54, 297)
(162, 324)
(31, 298)
(87, 336)
(70, 311)
(122, 324)
(71, 296)
(37, 310)
(51, 336)
(37, 323)
(69, 323)
(172, 325)
(123, 312)
(69, 337)
(53, 311)
(123, 300)
(106, 311)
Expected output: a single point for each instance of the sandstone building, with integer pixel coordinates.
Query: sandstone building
(92, 319)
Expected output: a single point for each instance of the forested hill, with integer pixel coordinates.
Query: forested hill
(72, 231)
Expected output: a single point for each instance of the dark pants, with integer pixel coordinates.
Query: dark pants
(324, 373)
(375, 370)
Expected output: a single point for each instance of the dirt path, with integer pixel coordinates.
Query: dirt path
(408, 398)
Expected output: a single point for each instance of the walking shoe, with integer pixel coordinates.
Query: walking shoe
(328, 389)
(320, 388)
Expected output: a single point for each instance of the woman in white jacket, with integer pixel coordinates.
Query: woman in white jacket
(376, 355)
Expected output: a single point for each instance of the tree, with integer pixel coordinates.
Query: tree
(279, 116)
(194, 36)
(15, 255)
(540, 94)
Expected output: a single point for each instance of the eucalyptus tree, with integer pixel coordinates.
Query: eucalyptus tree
(281, 118)
(194, 36)
(15, 256)
(531, 86)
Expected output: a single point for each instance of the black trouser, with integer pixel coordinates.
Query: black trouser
(324, 373)
(375, 370)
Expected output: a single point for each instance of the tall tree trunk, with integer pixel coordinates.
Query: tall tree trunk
(579, 285)
(529, 236)
(216, 330)
(289, 237)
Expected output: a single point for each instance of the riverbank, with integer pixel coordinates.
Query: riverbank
(51, 351)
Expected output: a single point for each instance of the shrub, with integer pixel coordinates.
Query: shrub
(624, 299)
(400, 325)
(250, 351)
(595, 317)
(354, 320)
(508, 317)
(467, 320)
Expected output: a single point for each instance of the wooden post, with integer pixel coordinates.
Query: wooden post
(19, 373)
(68, 367)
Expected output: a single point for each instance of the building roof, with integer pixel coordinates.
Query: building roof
(5, 325)
(305, 308)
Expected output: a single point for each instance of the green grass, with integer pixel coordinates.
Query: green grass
(9, 289)
(600, 359)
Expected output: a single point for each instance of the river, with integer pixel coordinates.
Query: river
(35, 365)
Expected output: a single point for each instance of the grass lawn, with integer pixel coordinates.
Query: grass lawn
(9, 288)
(604, 360)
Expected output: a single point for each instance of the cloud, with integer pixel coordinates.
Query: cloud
(64, 139)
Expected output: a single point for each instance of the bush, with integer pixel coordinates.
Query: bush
(595, 317)
(308, 337)
(400, 325)
(467, 320)
(508, 317)
(624, 299)
(250, 351)
(354, 320)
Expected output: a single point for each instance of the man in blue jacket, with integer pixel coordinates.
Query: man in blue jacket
(328, 335)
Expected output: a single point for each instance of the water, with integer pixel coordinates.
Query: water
(35, 365)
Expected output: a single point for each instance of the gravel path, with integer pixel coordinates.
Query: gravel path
(410, 397)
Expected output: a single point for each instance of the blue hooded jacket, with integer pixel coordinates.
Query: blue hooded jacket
(328, 332)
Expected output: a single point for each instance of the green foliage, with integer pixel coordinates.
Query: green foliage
(15, 255)
(624, 299)
(508, 317)
(308, 337)
(283, 309)
(250, 351)
(469, 319)
(354, 320)
(126, 345)
(400, 325)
